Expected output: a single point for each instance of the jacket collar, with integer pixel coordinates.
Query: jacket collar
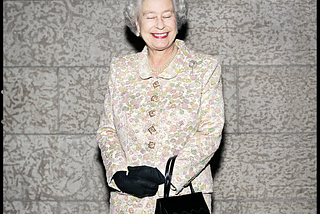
(175, 67)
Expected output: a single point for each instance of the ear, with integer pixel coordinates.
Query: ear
(138, 26)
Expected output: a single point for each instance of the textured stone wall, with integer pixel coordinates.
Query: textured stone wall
(56, 57)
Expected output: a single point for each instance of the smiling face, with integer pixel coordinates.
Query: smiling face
(157, 24)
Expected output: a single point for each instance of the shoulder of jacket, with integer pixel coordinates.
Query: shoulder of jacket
(122, 60)
(205, 58)
(205, 65)
(192, 55)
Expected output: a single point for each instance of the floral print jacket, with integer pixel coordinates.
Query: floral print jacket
(148, 119)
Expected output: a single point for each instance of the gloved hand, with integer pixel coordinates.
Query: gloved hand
(148, 173)
(135, 185)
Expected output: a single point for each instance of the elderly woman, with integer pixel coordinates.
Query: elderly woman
(163, 101)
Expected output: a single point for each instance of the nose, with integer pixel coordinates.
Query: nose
(160, 24)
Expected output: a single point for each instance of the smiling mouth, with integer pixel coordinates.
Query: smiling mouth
(160, 35)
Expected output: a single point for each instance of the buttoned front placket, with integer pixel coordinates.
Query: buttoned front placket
(153, 129)
(152, 113)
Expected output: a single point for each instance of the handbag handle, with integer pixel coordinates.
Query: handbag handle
(168, 176)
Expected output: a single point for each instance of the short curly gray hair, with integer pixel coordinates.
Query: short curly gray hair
(132, 10)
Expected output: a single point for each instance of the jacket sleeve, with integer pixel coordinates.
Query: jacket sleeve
(201, 146)
(112, 153)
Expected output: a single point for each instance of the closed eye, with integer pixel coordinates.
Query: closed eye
(167, 15)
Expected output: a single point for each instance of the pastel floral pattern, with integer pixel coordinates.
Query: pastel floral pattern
(148, 119)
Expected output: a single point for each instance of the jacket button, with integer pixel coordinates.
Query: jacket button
(152, 130)
(152, 113)
(151, 145)
(156, 84)
(154, 98)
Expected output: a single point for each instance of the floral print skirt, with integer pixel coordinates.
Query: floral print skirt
(125, 204)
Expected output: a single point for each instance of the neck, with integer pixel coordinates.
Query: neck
(158, 59)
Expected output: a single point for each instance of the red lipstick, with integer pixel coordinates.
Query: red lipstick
(160, 35)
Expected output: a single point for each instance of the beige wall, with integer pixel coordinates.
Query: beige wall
(56, 57)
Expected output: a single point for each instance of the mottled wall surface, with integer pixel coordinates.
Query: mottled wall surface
(56, 57)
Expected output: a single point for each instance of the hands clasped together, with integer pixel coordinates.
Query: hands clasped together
(141, 181)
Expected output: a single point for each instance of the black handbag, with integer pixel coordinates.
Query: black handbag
(193, 203)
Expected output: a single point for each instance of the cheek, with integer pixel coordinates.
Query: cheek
(145, 27)
(173, 25)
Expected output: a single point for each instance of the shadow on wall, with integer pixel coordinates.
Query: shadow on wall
(215, 161)
(138, 43)
(100, 161)
(215, 164)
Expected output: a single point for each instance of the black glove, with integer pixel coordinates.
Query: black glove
(148, 173)
(135, 185)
